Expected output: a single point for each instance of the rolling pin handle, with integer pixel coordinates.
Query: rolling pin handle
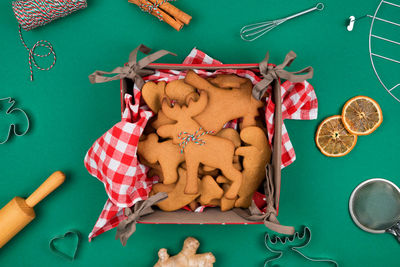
(48, 186)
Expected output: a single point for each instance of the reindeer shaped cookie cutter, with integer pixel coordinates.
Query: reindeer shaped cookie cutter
(273, 244)
(200, 146)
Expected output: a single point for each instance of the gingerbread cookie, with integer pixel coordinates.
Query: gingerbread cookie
(226, 204)
(176, 197)
(178, 90)
(255, 158)
(210, 190)
(155, 169)
(207, 170)
(160, 187)
(204, 170)
(225, 105)
(222, 180)
(161, 120)
(214, 202)
(153, 93)
(199, 146)
(166, 153)
(232, 135)
(228, 81)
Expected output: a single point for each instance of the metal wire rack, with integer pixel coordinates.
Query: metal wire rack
(379, 17)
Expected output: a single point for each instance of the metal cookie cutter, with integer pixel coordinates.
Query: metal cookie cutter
(67, 255)
(13, 126)
(295, 242)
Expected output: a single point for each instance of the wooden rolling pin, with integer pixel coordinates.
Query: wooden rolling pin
(19, 212)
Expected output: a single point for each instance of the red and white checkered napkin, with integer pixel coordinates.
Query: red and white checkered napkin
(112, 158)
(299, 102)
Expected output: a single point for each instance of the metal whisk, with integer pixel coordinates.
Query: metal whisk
(254, 31)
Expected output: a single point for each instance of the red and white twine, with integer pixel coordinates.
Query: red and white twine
(149, 8)
(32, 54)
(35, 13)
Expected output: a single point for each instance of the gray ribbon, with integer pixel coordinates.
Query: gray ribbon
(271, 76)
(133, 70)
(271, 73)
(270, 216)
(270, 219)
(128, 226)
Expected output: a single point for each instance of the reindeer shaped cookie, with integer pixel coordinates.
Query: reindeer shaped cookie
(225, 104)
(166, 153)
(199, 146)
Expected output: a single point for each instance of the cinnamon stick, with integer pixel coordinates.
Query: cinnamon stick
(174, 11)
(177, 25)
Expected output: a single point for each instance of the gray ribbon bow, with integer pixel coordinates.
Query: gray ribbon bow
(128, 226)
(270, 216)
(272, 183)
(271, 73)
(133, 69)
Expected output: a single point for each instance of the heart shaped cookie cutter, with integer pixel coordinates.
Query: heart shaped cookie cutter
(59, 252)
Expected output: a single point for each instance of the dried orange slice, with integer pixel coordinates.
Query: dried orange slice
(361, 115)
(333, 139)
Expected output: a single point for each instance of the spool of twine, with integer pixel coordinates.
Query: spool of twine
(31, 14)
(34, 13)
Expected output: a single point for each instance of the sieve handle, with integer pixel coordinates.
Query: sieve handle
(395, 230)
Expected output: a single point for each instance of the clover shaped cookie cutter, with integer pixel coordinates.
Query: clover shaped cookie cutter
(13, 126)
(273, 243)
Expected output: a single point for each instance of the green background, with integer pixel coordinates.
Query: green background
(68, 114)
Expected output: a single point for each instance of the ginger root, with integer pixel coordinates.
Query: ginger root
(187, 257)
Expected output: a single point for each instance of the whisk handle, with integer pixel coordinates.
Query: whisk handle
(319, 7)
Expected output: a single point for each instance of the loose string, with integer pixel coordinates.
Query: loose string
(34, 13)
(32, 54)
(195, 138)
(149, 8)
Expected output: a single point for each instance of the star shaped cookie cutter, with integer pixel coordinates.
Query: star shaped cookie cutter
(13, 126)
(289, 241)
